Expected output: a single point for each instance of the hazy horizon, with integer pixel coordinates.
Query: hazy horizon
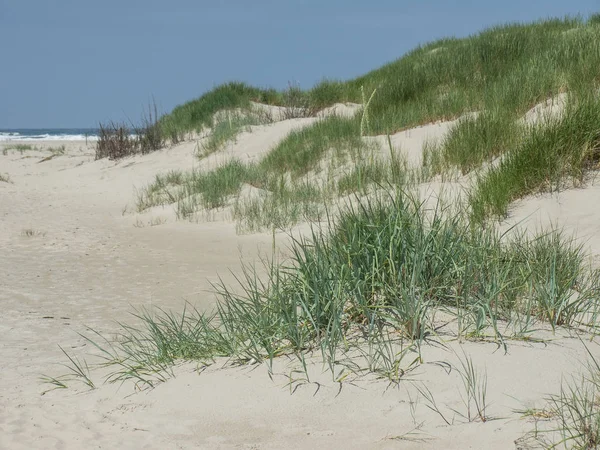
(71, 65)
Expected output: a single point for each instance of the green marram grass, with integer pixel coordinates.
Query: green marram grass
(555, 152)
(229, 126)
(372, 284)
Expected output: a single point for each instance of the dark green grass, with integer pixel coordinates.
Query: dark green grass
(199, 113)
(302, 150)
(513, 66)
(558, 151)
(475, 140)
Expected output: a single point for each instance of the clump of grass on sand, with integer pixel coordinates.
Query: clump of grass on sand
(118, 139)
(5, 178)
(473, 141)
(303, 149)
(20, 147)
(31, 232)
(376, 281)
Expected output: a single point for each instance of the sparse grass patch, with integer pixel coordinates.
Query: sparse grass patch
(20, 147)
(162, 191)
(57, 150)
(281, 208)
(30, 232)
(578, 413)
(475, 390)
(5, 178)
(374, 171)
(230, 124)
(573, 415)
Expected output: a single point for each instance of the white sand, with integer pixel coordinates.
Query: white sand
(86, 264)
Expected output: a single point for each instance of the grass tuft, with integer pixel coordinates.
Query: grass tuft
(118, 140)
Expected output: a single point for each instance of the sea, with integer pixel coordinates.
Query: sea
(47, 134)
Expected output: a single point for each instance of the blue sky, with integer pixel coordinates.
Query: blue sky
(72, 63)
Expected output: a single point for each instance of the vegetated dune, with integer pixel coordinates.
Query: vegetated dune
(78, 252)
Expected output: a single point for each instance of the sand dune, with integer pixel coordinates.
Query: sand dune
(75, 255)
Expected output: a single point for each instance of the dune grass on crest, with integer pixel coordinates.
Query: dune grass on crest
(198, 114)
(509, 67)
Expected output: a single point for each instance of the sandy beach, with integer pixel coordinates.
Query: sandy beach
(75, 254)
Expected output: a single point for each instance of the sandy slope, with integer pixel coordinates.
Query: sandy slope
(87, 260)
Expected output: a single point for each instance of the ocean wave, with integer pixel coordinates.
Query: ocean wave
(10, 136)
